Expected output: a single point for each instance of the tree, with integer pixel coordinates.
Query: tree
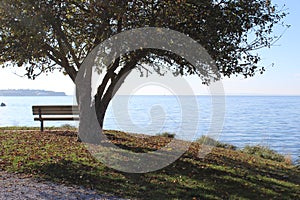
(48, 35)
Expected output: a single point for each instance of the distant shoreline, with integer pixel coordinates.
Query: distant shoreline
(27, 92)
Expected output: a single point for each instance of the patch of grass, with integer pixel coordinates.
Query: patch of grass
(222, 174)
(264, 152)
(167, 134)
(18, 128)
(28, 128)
(205, 140)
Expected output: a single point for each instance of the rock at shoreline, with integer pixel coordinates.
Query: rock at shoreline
(2, 104)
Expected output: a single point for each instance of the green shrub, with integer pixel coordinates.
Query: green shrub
(166, 134)
(67, 126)
(212, 142)
(298, 163)
(263, 152)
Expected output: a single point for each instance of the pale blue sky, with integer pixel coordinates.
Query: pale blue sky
(282, 79)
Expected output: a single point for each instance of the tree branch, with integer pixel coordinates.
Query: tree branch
(57, 26)
(109, 75)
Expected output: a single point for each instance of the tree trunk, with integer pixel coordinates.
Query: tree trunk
(101, 108)
(92, 113)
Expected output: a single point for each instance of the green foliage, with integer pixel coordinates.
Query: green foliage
(263, 152)
(167, 134)
(67, 126)
(298, 162)
(212, 142)
(38, 34)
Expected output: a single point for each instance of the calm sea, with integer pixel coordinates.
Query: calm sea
(273, 121)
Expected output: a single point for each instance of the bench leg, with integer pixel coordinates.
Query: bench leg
(42, 125)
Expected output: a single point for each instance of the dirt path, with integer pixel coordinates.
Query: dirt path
(14, 187)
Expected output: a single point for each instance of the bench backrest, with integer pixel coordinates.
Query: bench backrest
(55, 110)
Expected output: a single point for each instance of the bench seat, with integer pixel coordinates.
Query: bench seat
(55, 113)
(56, 118)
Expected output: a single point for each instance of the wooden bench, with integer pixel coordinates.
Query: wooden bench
(55, 113)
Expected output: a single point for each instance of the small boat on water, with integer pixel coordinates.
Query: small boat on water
(2, 104)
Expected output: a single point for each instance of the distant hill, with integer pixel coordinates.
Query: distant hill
(27, 92)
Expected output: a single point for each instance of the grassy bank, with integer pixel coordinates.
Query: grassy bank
(223, 174)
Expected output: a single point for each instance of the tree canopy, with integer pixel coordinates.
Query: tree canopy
(46, 35)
